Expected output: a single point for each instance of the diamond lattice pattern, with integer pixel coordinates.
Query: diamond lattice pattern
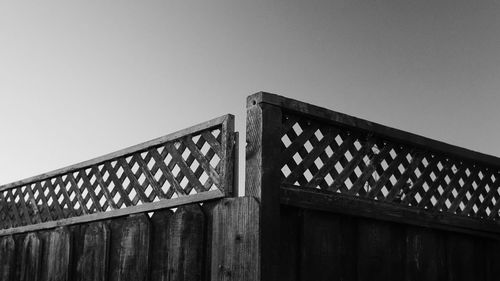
(173, 169)
(336, 159)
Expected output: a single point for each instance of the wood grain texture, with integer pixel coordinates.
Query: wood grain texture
(186, 240)
(57, 255)
(7, 258)
(159, 245)
(131, 262)
(92, 264)
(235, 240)
(328, 247)
(264, 125)
(380, 251)
(425, 254)
(30, 258)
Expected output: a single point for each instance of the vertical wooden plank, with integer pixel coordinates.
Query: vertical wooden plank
(425, 254)
(115, 226)
(186, 235)
(263, 134)
(328, 247)
(30, 255)
(208, 209)
(229, 147)
(57, 254)
(132, 252)
(492, 259)
(461, 264)
(159, 245)
(77, 243)
(290, 223)
(7, 258)
(380, 251)
(92, 264)
(235, 240)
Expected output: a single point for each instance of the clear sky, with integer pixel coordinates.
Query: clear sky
(79, 79)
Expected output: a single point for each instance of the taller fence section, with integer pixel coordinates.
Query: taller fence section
(161, 210)
(347, 199)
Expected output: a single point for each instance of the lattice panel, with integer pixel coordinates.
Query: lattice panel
(181, 167)
(317, 155)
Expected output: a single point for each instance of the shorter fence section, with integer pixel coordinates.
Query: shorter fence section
(212, 241)
(192, 165)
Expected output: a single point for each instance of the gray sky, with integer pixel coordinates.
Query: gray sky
(79, 79)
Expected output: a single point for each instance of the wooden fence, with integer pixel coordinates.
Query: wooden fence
(347, 199)
(330, 197)
(161, 210)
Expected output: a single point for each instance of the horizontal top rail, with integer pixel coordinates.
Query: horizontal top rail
(329, 151)
(186, 166)
(342, 119)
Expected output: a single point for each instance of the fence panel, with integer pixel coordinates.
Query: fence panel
(192, 165)
(396, 184)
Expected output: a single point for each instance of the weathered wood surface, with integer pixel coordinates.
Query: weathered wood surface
(30, 258)
(262, 179)
(235, 240)
(143, 178)
(7, 258)
(159, 245)
(185, 240)
(170, 203)
(92, 264)
(131, 261)
(425, 254)
(56, 255)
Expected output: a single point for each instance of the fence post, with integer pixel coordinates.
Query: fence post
(263, 132)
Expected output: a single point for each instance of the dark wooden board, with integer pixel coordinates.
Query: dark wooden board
(159, 245)
(56, 255)
(92, 264)
(7, 258)
(29, 260)
(425, 254)
(186, 240)
(328, 247)
(381, 251)
(461, 258)
(131, 262)
(290, 226)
